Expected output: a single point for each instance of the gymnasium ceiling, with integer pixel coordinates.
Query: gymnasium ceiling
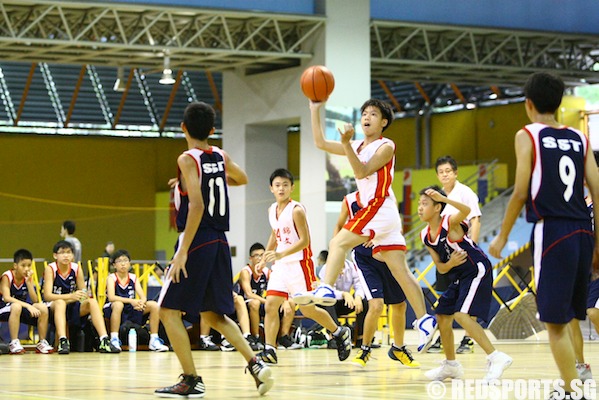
(412, 65)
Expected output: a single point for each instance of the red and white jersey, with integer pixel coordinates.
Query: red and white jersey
(378, 184)
(286, 232)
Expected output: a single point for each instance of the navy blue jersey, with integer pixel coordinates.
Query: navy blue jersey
(557, 179)
(258, 285)
(18, 290)
(443, 246)
(64, 284)
(213, 181)
(126, 288)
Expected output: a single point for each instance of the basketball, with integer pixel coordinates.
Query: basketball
(317, 83)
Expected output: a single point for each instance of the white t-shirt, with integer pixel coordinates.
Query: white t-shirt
(463, 194)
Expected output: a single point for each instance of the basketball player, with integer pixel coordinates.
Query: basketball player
(293, 269)
(380, 288)
(470, 273)
(373, 163)
(199, 279)
(447, 173)
(553, 162)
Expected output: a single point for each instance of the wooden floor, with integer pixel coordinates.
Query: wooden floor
(300, 374)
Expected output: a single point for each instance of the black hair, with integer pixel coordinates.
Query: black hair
(69, 226)
(199, 119)
(119, 253)
(438, 189)
(22, 254)
(545, 91)
(324, 255)
(446, 160)
(62, 244)
(384, 107)
(281, 173)
(256, 246)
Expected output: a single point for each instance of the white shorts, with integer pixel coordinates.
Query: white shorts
(380, 221)
(290, 278)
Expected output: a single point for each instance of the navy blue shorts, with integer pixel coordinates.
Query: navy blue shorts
(209, 285)
(129, 314)
(379, 282)
(593, 298)
(470, 293)
(562, 254)
(26, 317)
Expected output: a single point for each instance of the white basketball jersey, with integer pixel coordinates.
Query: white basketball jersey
(378, 184)
(286, 232)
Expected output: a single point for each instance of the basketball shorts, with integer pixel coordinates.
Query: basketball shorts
(593, 297)
(562, 255)
(470, 293)
(26, 317)
(378, 282)
(129, 313)
(289, 278)
(209, 281)
(379, 220)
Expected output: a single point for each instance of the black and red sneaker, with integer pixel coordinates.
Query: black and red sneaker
(188, 386)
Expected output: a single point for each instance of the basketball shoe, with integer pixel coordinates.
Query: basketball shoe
(426, 326)
(324, 295)
(207, 344)
(15, 347)
(466, 346)
(497, 362)
(188, 386)
(261, 374)
(446, 370)
(403, 355)
(343, 341)
(64, 347)
(436, 347)
(43, 347)
(286, 343)
(107, 347)
(584, 371)
(268, 355)
(362, 357)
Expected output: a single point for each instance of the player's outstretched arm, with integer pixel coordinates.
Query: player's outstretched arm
(320, 141)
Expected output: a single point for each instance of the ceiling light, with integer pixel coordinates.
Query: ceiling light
(119, 84)
(167, 73)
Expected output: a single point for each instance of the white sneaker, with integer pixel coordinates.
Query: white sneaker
(15, 347)
(497, 362)
(324, 295)
(584, 371)
(226, 346)
(445, 371)
(116, 342)
(426, 326)
(157, 344)
(43, 347)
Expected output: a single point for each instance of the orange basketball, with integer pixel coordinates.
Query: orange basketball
(317, 83)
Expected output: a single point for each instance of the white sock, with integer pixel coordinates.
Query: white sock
(337, 331)
(153, 336)
(268, 347)
(14, 341)
(102, 337)
(114, 335)
(453, 363)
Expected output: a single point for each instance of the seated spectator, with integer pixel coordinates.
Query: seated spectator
(121, 288)
(253, 280)
(20, 303)
(64, 289)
